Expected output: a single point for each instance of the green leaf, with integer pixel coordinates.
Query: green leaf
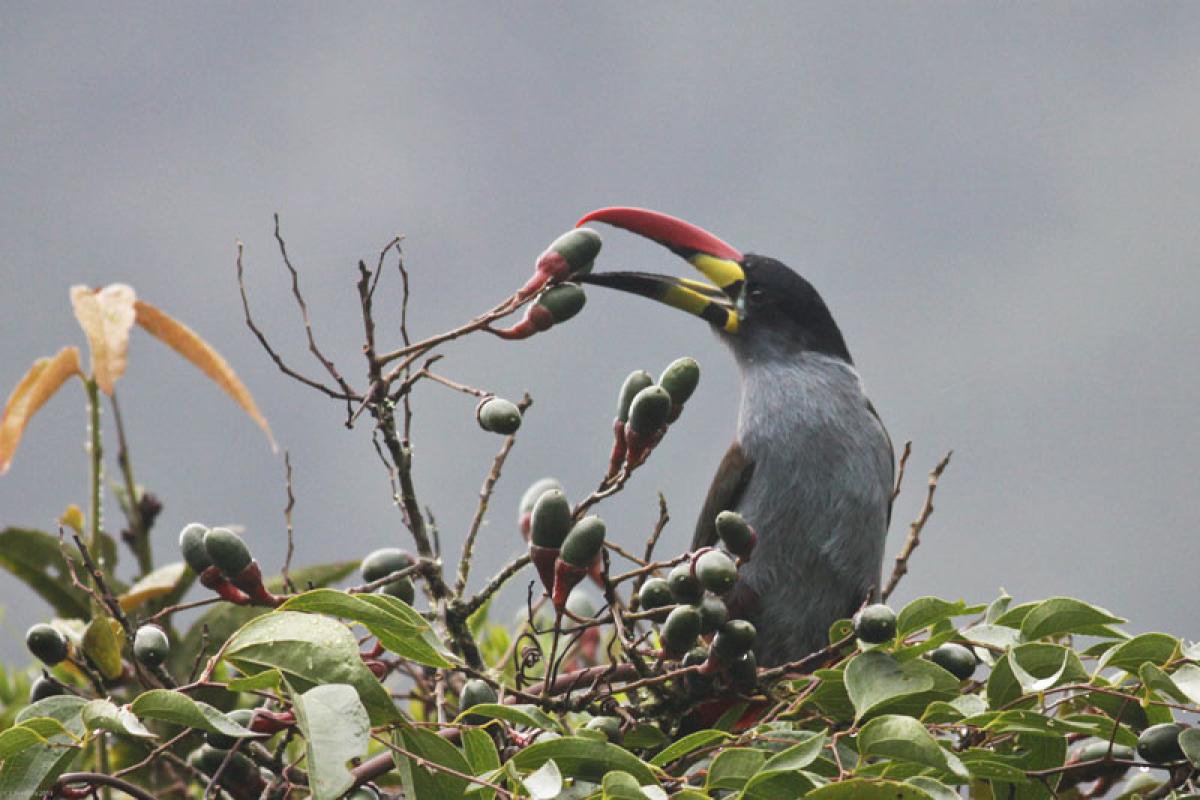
(159, 583)
(620, 786)
(926, 611)
(875, 680)
(392, 621)
(1060, 615)
(799, 755)
(934, 788)
(545, 782)
(778, 786)
(268, 680)
(106, 715)
(179, 709)
(644, 737)
(102, 644)
(225, 618)
(1161, 683)
(688, 744)
(1152, 648)
(36, 559)
(994, 635)
(584, 759)
(310, 650)
(529, 716)
(732, 768)
(481, 754)
(867, 789)
(336, 729)
(1187, 678)
(906, 739)
(988, 765)
(33, 731)
(420, 781)
(1189, 741)
(1037, 661)
(35, 768)
(997, 607)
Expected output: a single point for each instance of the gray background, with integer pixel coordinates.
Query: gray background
(999, 204)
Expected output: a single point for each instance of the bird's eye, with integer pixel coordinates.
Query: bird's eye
(755, 296)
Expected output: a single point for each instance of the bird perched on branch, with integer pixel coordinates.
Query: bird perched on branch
(811, 466)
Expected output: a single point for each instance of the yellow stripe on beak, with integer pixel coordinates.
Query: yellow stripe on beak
(693, 302)
(726, 274)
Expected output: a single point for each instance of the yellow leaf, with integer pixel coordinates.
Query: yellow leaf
(102, 644)
(187, 343)
(158, 583)
(106, 316)
(39, 384)
(73, 518)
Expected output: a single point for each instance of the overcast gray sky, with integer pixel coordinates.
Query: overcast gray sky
(999, 202)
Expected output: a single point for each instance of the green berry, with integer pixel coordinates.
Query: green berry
(684, 585)
(476, 693)
(191, 544)
(680, 379)
(636, 382)
(227, 551)
(609, 726)
(401, 589)
(535, 491)
(46, 643)
(1159, 744)
(955, 659)
(551, 519)
(649, 410)
(743, 671)
(42, 688)
(735, 637)
(1095, 751)
(362, 793)
(208, 759)
(875, 624)
(579, 247)
(583, 543)
(716, 571)
(736, 534)
(713, 614)
(242, 716)
(563, 301)
(384, 561)
(150, 645)
(497, 415)
(655, 593)
(580, 604)
(680, 630)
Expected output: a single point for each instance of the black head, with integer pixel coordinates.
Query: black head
(782, 312)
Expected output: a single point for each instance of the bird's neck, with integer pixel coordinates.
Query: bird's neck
(783, 396)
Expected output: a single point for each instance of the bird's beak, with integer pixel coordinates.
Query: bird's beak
(718, 261)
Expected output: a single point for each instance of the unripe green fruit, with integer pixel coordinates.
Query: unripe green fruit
(736, 534)
(649, 410)
(655, 593)
(551, 520)
(535, 491)
(208, 759)
(150, 645)
(46, 643)
(579, 247)
(713, 614)
(875, 624)
(680, 630)
(401, 589)
(1094, 751)
(743, 671)
(735, 637)
(680, 379)
(696, 683)
(242, 716)
(42, 688)
(384, 561)
(227, 551)
(609, 726)
(1159, 744)
(191, 544)
(716, 571)
(684, 585)
(497, 415)
(636, 382)
(955, 659)
(476, 693)
(563, 301)
(362, 793)
(583, 543)
(580, 604)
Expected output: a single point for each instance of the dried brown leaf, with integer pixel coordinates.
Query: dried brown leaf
(187, 343)
(37, 386)
(106, 316)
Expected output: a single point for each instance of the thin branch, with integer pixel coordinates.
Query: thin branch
(904, 454)
(98, 779)
(287, 519)
(914, 528)
(139, 533)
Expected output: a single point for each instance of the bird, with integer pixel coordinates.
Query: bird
(811, 467)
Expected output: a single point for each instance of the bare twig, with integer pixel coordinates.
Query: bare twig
(287, 519)
(139, 533)
(904, 454)
(914, 528)
(98, 779)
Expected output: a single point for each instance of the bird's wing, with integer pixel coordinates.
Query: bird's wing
(727, 487)
(891, 457)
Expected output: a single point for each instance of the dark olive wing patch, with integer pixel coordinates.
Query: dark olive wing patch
(723, 495)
